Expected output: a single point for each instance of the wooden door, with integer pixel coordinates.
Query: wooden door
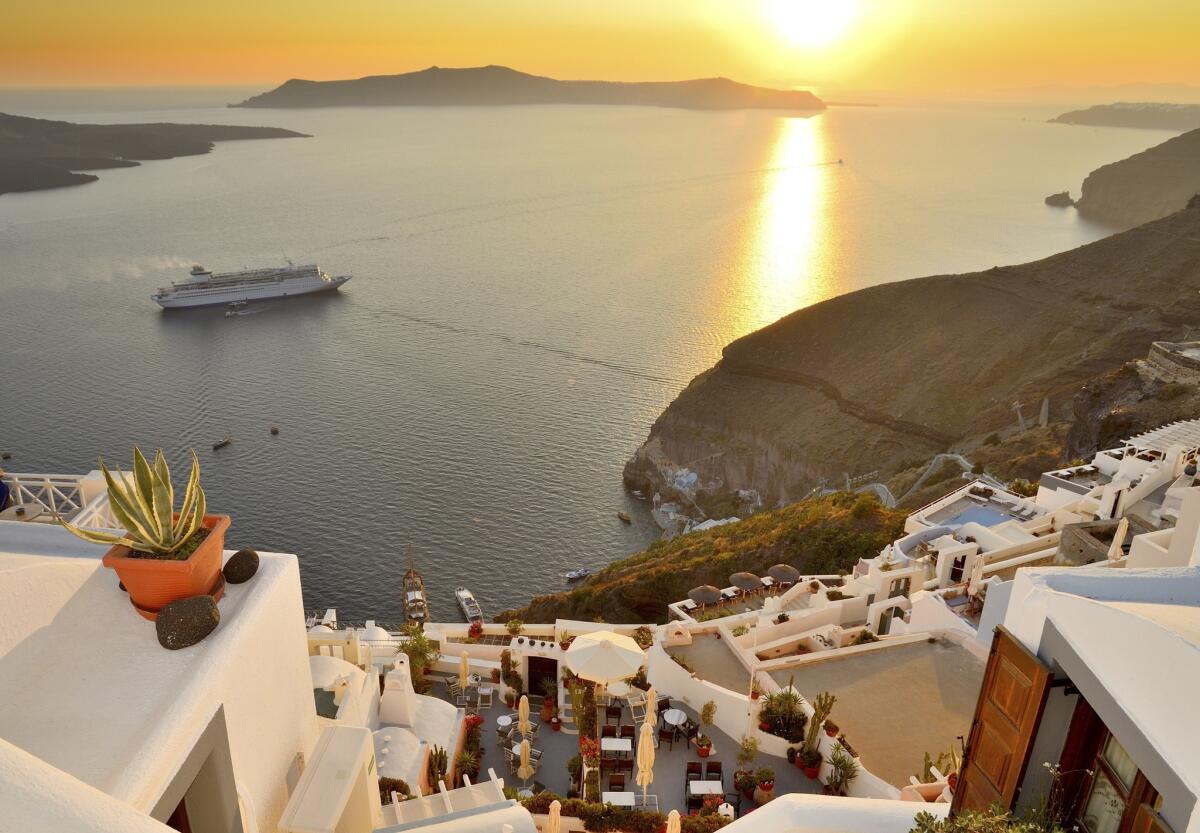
(1148, 820)
(1007, 714)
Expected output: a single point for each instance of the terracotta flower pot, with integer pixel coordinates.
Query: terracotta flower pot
(812, 771)
(703, 751)
(762, 796)
(555, 724)
(153, 583)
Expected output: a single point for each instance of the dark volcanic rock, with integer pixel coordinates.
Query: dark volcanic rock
(241, 566)
(183, 623)
(1060, 200)
(1147, 186)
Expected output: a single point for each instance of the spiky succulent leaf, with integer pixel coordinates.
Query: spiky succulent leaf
(125, 508)
(194, 521)
(95, 536)
(163, 497)
(188, 507)
(143, 478)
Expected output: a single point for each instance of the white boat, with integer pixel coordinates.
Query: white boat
(576, 575)
(469, 606)
(205, 288)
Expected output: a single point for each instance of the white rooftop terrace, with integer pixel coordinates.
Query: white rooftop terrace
(88, 690)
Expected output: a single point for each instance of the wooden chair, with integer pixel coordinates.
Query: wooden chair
(667, 735)
(628, 731)
(695, 771)
(612, 714)
(664, 703)
(694, 803)
(625, 765)
(616, 782)
(608, 731)
(689, 730)
(712, 771)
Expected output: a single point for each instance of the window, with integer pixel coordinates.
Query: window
(1116, 791)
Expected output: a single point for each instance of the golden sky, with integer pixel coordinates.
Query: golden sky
(931, 46)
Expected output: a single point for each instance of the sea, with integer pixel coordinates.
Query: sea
(532, 287)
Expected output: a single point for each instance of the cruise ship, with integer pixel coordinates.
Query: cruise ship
(205, 288)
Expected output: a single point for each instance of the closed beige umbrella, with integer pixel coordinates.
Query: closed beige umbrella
(1115, 550)
(525, 769)
(464, 670)
(523, 724)
(652, 705)
(554, 819)
(645, 759)
(673, 821)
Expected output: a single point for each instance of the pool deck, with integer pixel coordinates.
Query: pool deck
(894, 705)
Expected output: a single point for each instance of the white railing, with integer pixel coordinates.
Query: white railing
(81, 499)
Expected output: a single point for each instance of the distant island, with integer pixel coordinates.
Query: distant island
(36, 154)
(496, 86)
(1136, 114)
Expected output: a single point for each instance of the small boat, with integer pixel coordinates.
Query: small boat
(576, 575)
(469, 606)
(274, 430)
(624, 516)
(236, 304)
(222, 443)
(416, 607)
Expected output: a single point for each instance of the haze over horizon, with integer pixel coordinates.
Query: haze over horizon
(835, 47)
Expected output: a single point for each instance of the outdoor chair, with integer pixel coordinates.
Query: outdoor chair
(694, 802)
(664, 703)
(625, 765)
(667, 735)
(650, 801)
(694, 771)
(616, 783)
(628, 731)
(689, 730)
(612, 714)
(608, 731)
(485, 697)
(453, 687)
(504, 736)
(712, 771)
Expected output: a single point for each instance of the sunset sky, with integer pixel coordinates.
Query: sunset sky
(931, 46)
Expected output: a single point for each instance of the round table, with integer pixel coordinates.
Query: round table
(504, 721)
(674, 717)
(22, 512)
(474, 679)
(619, 689)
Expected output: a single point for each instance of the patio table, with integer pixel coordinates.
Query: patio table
(616, 744)
(504, 721)
(674, 717)
(619, 799)
(706, 788)
(22, 512)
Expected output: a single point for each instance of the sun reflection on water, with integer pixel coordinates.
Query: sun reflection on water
(784, 250)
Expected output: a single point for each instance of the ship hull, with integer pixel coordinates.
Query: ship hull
(220, 297)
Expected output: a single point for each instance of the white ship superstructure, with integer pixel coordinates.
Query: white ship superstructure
(205, 288)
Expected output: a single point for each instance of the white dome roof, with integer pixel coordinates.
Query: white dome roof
(320, 629)
(377, 634)
(326, 670)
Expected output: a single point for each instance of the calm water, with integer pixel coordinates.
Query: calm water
(532, 287)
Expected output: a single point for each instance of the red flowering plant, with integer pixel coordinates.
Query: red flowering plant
(475, 630)
(589, 750)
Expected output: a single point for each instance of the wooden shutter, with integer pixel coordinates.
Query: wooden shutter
(1007, 714)
(1148, 820)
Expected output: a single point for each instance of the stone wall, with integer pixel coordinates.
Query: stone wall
(1170, 364)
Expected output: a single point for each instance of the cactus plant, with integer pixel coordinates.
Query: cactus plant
(437, 765)
(822, 705)
(145, 508)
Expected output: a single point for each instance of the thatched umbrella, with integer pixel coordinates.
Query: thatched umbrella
(705, 594)
(784, 573)
(746, 582)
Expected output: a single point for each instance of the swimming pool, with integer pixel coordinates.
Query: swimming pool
(979, 514)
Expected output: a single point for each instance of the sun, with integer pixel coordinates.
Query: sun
(811, 24)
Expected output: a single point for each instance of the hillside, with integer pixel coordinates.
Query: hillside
(1146, 186)
(501, 86)
(820, 535)
(38, 153)
(1144, 114)
(880, 378)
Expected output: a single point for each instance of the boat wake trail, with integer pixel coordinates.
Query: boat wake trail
(581, 358)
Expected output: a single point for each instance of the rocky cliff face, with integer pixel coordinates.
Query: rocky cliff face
(1146, 186)
(893, 373)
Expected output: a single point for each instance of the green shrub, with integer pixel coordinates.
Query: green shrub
(1023, 487)
(1173, 390)
(389, 785)
(994, 820)
(864, 637)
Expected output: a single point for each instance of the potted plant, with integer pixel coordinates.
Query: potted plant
(831, 729)
(475, 630)
(549, 700)
(744, 783)
(703, 745)
(164, 555)
(708, 714)
(495, 675)
(791, 755)
(755, 690)
(556, 723)
(781, 618)
(810, 761)
(843, 770)
(565, 640)
(514, 626)
(765, 789)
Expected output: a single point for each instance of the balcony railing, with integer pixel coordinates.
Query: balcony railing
(80, 499)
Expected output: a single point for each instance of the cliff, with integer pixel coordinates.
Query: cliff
(820, 535)
(37, 153)
(1146, 186)
(500, 86)
(1143, 114)
(887, 375)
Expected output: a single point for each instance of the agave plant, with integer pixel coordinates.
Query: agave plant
(145, 507)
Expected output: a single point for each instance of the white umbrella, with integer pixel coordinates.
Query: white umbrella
(604, 657)
(554, 819)
(464, 670)
(976, 582)
(1115, 552)
(645, 759)
(673, 821)
(523, 724)
(525, 769)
